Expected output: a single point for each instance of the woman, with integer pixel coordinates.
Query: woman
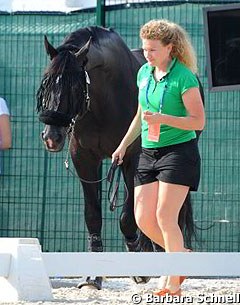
(5, 129)
(170, 110)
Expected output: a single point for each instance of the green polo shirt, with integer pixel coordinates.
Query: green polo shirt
(177, 80)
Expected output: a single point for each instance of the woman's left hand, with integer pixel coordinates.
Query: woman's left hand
(152, 117)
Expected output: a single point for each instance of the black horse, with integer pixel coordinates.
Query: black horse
(90, 85)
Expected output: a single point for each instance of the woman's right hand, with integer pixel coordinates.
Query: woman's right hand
(118, 154)
(133, 132)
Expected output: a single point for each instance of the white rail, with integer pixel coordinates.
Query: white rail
(144, 264)
(25, 270)
(5, 260)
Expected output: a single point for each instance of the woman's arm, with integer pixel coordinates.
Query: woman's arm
(5, 132)
(194, 121)
(133, 132)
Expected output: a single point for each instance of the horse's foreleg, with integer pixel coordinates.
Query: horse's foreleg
(93, 219)
(93, 216)
(87, 169)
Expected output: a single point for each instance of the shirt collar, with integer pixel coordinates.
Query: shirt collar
(169, 68)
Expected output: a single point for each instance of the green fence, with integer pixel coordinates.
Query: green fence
(39, 198)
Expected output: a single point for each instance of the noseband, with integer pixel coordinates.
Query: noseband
(58, 118)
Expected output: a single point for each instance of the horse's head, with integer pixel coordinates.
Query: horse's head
(63, 92)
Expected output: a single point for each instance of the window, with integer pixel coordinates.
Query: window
(222, 36)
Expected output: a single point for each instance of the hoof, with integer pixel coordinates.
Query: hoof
(141, 279)
(95, 283)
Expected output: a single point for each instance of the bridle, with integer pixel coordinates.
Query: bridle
(69, 122)
(58, 118)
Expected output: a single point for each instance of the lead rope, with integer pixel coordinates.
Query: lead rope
(70, 132)
(66, 163)
(112, 191)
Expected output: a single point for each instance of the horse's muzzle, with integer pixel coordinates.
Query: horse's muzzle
(53, 138)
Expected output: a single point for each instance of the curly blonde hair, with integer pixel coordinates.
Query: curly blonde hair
(170, 32)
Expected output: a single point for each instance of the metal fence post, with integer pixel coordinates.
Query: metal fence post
(100, 12)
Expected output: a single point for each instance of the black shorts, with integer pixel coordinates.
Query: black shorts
(177, 164)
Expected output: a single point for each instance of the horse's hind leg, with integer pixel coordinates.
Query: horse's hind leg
(135, 240)
(128, 224)
(186, 221)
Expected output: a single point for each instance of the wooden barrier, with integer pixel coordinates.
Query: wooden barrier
(140, 263)
(23, 275)
(5, 260)
(25, 270)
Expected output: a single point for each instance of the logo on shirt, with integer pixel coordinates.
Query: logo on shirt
(143, 83)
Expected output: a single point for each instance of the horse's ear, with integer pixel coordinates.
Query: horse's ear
(51, 51)
(84, 50)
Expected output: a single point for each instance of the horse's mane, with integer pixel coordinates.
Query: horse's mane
(106, 37)
(100, 37)
(105, 42)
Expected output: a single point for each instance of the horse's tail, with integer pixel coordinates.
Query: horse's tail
(186, 222)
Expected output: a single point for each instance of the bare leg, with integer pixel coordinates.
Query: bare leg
(145, 206)
(170, 201)
(156, 208)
